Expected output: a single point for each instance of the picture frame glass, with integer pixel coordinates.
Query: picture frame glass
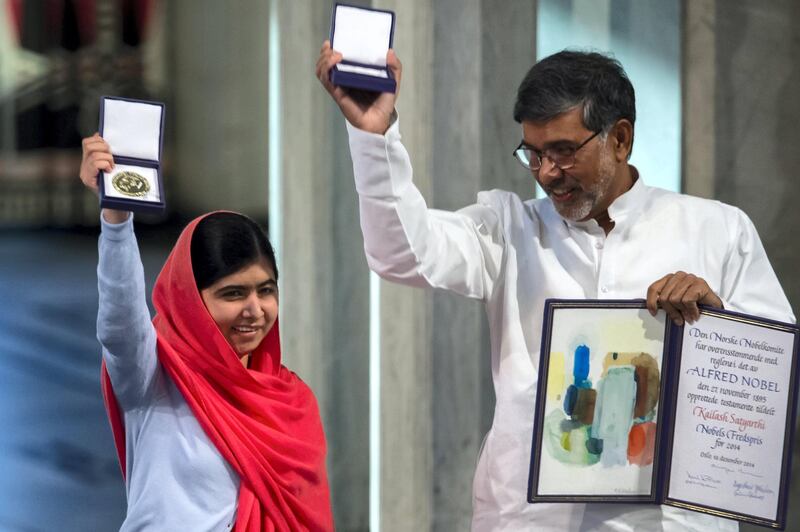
(599, 429)
(730, 421)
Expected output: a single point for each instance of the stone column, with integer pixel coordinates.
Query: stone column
(325, 281)
(462, 64)
(699, 81)
(757, 113)
(481, 52)
(459, 348)
(218, 119)
(406, 435)
(741, 114)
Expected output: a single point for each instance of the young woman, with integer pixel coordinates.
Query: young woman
(212, 432)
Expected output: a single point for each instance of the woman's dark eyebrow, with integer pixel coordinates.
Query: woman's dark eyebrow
(230, 287)
(245, 287)
(268, 282)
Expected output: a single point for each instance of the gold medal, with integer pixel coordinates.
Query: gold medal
(131, 184)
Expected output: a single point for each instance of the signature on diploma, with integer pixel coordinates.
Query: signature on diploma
(751, 490)
(701, 479)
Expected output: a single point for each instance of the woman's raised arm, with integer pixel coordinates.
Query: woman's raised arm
(124, 327)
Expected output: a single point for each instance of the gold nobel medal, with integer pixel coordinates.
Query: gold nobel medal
(131, 184)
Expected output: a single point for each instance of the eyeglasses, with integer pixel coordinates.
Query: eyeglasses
(562, 156)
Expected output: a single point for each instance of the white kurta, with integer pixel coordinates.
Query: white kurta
(514, 254)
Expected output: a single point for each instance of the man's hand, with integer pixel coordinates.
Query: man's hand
(679, 294)
(96, 158)
(366, 110)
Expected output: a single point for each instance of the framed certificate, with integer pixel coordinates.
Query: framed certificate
(728, 448)
(134, 129)
(634, 409)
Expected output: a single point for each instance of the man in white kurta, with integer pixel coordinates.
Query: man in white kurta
(631, 241)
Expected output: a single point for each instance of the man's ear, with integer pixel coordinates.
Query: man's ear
(622, 139)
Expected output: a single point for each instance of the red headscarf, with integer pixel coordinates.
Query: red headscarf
(263, 420)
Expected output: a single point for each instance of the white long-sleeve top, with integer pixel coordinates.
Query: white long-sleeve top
(514, 254)
(176, 478)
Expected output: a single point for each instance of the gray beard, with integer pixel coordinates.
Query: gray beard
(590, 197)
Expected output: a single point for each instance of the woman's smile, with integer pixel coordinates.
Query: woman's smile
(244, 306)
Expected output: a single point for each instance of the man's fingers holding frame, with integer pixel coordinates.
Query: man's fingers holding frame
(679, 294)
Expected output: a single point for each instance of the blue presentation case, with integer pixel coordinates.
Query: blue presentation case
(119, 119)
(363, 36)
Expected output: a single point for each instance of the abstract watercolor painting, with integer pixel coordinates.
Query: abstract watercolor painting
(603, 382)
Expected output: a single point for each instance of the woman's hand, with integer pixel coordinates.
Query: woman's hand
(96, 158)
(370, 111)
